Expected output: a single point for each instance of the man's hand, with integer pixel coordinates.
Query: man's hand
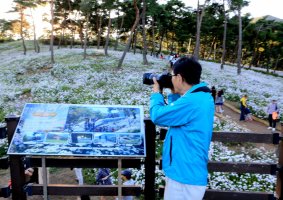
(156, 87)
(104, 178)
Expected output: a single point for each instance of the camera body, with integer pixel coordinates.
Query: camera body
(164, 79)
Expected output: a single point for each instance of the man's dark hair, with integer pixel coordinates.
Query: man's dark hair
(189, 69)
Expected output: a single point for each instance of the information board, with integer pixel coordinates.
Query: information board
(79, 130)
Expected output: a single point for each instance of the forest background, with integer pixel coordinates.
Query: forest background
(215, 30)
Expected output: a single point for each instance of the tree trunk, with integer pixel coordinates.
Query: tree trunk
(224, 39)
(118, 31)
(99, 32)
(21, 30)
(52, 30)
(81, 35)
(131, 35)
(60, 40)
(160, 43)
(211, 47)
(270, 46)
(239, 54)
(200, 14)
(35, 42)
(276, 63)
(108, 33)
(255, 48)
(145, 62)
(214, 50)
(85, 40)
(71, 22)
(135, 41)
(153, 37)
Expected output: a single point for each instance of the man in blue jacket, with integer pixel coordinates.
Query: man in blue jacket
(189, 116)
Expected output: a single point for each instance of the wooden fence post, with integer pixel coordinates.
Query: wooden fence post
(150, 134)
(16, 163)
(279, 183)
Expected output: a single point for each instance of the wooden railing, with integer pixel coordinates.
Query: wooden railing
(20, 189)
(241, 167)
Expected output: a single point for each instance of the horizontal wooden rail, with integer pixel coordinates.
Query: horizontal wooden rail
(79, 162)
(4, 162)
(232, 195)
(266, 138)
(237, 195)
(5, 191)
(90, 190)
(238, 167)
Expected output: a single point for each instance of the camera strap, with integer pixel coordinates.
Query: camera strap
(202, 89)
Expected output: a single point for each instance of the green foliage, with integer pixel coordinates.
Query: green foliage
(54, 170)
(158, 151)
(3, 148)
(89, 176)
(2, 115)
(241, 182)
(219, 126)
(65, 88)
(26, 91)
(233, 97)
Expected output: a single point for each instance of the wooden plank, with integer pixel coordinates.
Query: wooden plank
(12, 122)
(238, 137)
(279, 181)
(5, 191)
(16, 164)
(90, 190)
(4, 162)
(150, 135)
(237, 167)
(237, 195)
(256, 168)
(231, 195)
(3, 132)
(83, 162)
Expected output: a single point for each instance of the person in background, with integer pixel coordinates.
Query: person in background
(245, 111)
(273, 113)
(79, 175)
(103, 177)
(189, 116)
(219, 101)
(213, 92)
(28, 174)
(127, 180)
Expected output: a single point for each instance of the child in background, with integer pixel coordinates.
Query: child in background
(219, 101)
(245, 111)
(127, 179)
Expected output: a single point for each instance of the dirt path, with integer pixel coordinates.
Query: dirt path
(257, 125)
(67, 176)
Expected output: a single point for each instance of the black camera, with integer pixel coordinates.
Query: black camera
(164, 79)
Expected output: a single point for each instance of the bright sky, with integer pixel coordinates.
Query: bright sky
(257, 8)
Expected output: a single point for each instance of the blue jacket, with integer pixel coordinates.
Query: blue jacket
(190, 121)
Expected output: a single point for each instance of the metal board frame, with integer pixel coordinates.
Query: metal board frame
(79, 130)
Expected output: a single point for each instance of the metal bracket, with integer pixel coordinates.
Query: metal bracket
(277, 138)
(28, 189)
(5, 191)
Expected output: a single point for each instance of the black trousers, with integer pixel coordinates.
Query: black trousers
(272, 123)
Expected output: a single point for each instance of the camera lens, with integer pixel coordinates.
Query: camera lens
(147, 79)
